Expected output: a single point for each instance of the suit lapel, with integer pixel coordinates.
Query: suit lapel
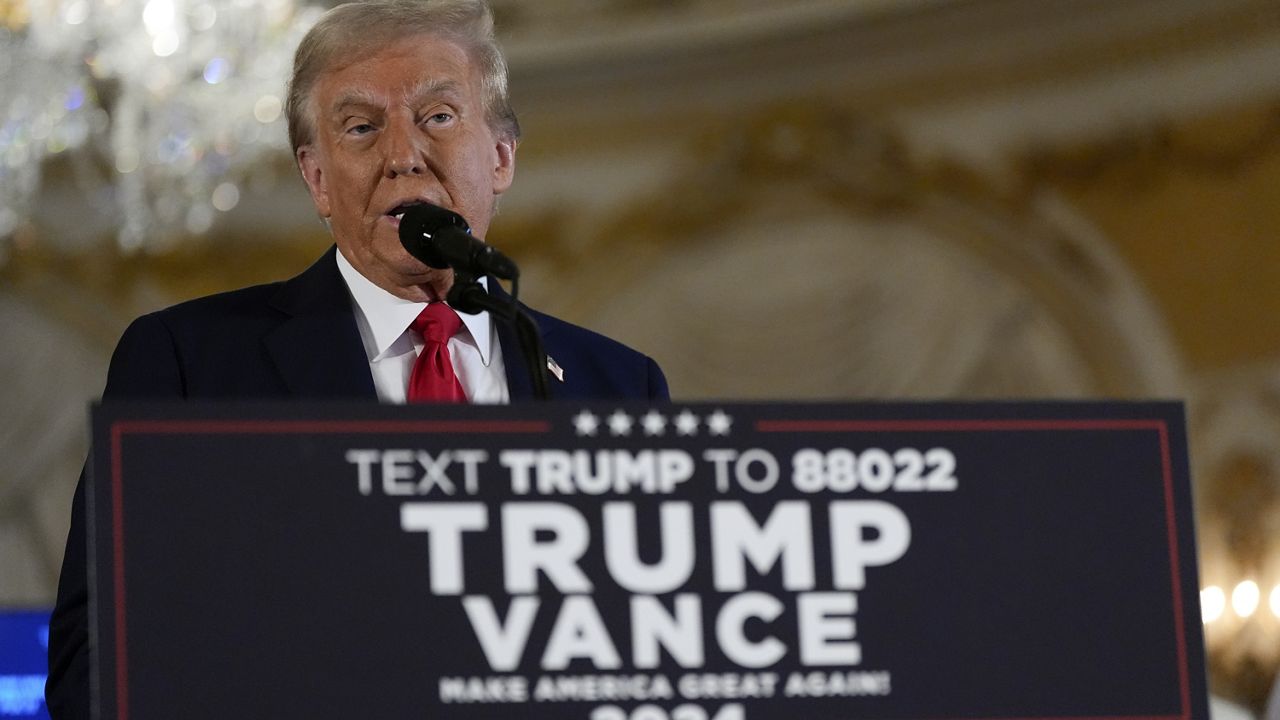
(318, 349)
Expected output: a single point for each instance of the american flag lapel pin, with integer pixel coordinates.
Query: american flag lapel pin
(555, 368)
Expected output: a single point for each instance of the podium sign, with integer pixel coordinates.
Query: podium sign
(628, 562)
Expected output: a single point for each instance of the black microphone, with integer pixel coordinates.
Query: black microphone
(442, 239)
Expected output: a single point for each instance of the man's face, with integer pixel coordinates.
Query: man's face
(405, 125)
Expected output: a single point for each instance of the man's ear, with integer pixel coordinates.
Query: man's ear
(504, 170)
(315, 178)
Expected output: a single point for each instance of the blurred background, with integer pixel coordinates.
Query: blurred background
(812, 199)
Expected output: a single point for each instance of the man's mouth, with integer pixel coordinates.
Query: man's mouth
(397, 213)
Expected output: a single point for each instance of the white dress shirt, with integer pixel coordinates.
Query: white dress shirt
(392, 348)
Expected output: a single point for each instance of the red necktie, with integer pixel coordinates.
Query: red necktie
(432, 379)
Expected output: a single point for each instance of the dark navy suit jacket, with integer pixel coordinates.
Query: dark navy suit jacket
(291, 339)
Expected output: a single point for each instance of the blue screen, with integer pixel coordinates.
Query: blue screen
(24, 647)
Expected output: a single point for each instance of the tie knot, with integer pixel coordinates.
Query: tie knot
(437, 323)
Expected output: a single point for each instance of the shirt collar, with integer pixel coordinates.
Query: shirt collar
(389, 316)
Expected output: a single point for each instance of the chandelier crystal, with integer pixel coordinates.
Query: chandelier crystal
(161, 107)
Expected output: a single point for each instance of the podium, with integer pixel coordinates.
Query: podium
(606, 561)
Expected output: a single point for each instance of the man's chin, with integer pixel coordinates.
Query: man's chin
(414, 271)
(428, 283)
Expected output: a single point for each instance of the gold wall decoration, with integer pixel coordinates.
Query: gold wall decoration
(1194, 206)
(805, 233)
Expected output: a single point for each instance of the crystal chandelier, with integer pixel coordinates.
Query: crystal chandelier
(161, 107)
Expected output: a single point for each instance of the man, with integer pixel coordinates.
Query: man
(391, 103)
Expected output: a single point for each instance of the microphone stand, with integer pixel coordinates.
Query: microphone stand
(469, 296)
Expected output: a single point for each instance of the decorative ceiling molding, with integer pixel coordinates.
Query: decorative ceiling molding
(916, 48)
(553, 32)
(976, 83)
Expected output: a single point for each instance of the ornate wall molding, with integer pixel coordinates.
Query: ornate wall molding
(827, 217)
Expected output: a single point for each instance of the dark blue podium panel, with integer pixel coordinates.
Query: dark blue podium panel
(628, 562)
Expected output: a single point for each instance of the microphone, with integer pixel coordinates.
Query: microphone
(442, 239)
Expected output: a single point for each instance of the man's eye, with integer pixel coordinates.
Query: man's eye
(360, 129)
(439, 118)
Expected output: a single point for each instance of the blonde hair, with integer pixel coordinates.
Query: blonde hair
(356, 29)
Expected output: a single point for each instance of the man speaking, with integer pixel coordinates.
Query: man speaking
(392, 104)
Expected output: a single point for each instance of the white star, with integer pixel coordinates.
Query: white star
(654, 423)
(586, 423)
(686, 423)
(718, 423)
(620, 423)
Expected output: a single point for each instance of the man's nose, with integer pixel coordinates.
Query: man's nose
(405, 151)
